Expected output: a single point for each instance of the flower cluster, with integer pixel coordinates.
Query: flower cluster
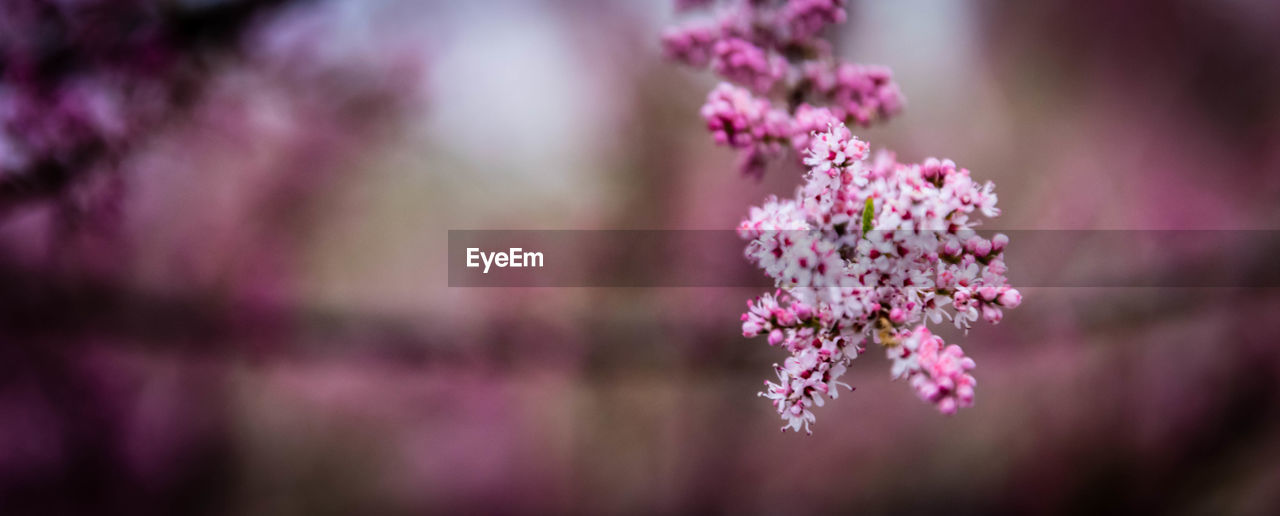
(865, 249)
(873, 250)
(861, 94)
(806, 18)
(737, 119)
(938, 372)
(789, 83)
(740, 61)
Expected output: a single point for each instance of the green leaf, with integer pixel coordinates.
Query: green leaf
(868, 213)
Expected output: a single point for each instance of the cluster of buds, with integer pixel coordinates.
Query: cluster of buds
(939, 373)
(861, 94)
(873, 250)
(784, 73)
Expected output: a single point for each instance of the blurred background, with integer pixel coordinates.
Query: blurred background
(223, 263)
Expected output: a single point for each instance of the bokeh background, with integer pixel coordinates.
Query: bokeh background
(223, 281)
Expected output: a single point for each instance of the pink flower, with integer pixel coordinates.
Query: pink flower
(830, 152)
(806, 18)
(738, 119)
(807, 121)
(932, 169)
(691, 45)
(992, 313)
(999, 242)
(744, 63)
(863, 93)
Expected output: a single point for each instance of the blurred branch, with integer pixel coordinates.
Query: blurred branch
(43, 180)
(129, 53)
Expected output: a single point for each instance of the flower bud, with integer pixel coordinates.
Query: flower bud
(951, 248)
(947, 406)
(987, 293)
(992, 313)
(946, 280)
(803, 311)
(931, 169)
(999, 242)
(979, 246)
(1011, 298)
(784, 317)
